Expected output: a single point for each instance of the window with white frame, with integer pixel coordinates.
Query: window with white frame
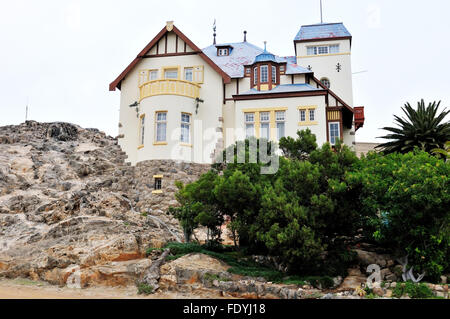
(264, 119)
(188, 74)
(280, 118)
(334, 131)
(312, 115)
(255, 76)
(249, 124)
(264, 73)
(323, 49)
(153, 75)
(161, 126)
(185, 127)
(325, 82)
(311, 50)
(302, 115)
(334, 48)
(274, 74)
(142, 130)
(171, 74)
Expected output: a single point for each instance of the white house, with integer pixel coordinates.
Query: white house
(181, 102)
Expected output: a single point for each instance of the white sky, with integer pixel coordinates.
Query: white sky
(60, 56)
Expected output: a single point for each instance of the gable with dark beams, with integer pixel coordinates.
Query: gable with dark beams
(187, 49)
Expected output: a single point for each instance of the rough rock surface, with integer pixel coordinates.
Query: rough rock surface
(70, 205)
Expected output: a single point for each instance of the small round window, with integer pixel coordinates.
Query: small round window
(326, 82)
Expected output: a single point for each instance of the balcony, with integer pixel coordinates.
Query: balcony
(359, 117)
(169, 87)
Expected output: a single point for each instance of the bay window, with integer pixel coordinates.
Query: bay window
(264, 73)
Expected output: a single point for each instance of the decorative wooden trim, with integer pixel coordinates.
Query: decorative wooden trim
(169, 54)
(176, 43)
(165, 43)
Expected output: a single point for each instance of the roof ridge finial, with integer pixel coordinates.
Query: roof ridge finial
(245, 36)
(214, 30)
(265, 43)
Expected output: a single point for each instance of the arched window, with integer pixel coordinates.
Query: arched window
(325, 82)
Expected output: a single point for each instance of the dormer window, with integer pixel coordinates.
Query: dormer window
(223, 52)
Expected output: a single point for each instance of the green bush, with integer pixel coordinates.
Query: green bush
(145, 289)
(413, 290)
(406, 198)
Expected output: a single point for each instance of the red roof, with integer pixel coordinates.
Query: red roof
(116, 83)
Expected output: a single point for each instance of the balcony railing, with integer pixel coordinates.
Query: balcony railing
(170, 87)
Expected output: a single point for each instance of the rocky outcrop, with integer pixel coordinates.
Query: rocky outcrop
(70, 205)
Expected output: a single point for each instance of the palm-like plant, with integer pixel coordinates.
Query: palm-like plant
(422, 128)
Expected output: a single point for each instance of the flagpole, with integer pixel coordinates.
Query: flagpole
(321, 18)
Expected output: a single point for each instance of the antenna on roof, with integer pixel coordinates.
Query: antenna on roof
(26, 110)
(214, 29)
(321, 16)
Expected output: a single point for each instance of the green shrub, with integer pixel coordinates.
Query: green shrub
(145, 289)
(406, 198)
(414, 290)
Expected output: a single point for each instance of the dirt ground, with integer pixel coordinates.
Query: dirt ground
(28, 289)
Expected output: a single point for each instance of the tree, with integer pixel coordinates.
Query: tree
(406, 197)
(423, 128)
(298, 148)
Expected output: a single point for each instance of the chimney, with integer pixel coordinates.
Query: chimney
(245, 36)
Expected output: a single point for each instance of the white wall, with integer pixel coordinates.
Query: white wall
(292, 115)
(325, 66)
(208, 115)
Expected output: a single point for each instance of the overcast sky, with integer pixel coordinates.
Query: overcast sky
(60, 56)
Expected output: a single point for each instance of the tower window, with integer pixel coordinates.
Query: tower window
(185, 127)
(274, 74)
(323, 49)
(171, 74)
(161, 125)
(142, 129)
(326, 82)
(264, 73)
(255, 76)
(188, 74)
